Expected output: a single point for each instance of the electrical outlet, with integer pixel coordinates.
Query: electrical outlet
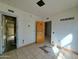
(23, 41)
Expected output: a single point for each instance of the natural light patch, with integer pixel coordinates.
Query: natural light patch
(4, 36)
(55, 49)
(67, 40)
(12, 37)
(60, 56)
(68, 46)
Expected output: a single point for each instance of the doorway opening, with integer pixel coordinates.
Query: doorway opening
(9, 32)
(48, 31)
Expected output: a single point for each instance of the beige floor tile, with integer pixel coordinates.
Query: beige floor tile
(34, 52)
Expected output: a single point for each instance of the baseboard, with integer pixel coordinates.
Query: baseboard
(26, 45)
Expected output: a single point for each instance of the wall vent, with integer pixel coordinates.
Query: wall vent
(65, 19)
(11, 11)
(47, 18)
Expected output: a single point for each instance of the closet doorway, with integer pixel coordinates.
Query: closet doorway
(9, 32)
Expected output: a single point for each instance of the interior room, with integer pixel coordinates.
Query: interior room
(38, 29)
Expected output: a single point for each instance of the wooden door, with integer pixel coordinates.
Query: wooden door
(40, 26)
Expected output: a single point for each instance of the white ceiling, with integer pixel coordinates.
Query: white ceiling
(50, 8)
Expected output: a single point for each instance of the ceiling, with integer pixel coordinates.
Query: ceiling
(50, 8)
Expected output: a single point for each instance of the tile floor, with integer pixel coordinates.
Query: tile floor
(34, 52)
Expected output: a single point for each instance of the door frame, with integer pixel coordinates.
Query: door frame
(2, 16)
(51, 29)
(44, 30)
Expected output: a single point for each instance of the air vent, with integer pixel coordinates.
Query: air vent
(65, 19)
(47, 18)
(11, 11)
(40, 3)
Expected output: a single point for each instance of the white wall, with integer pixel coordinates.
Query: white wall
(63, 29)
(23, 20)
